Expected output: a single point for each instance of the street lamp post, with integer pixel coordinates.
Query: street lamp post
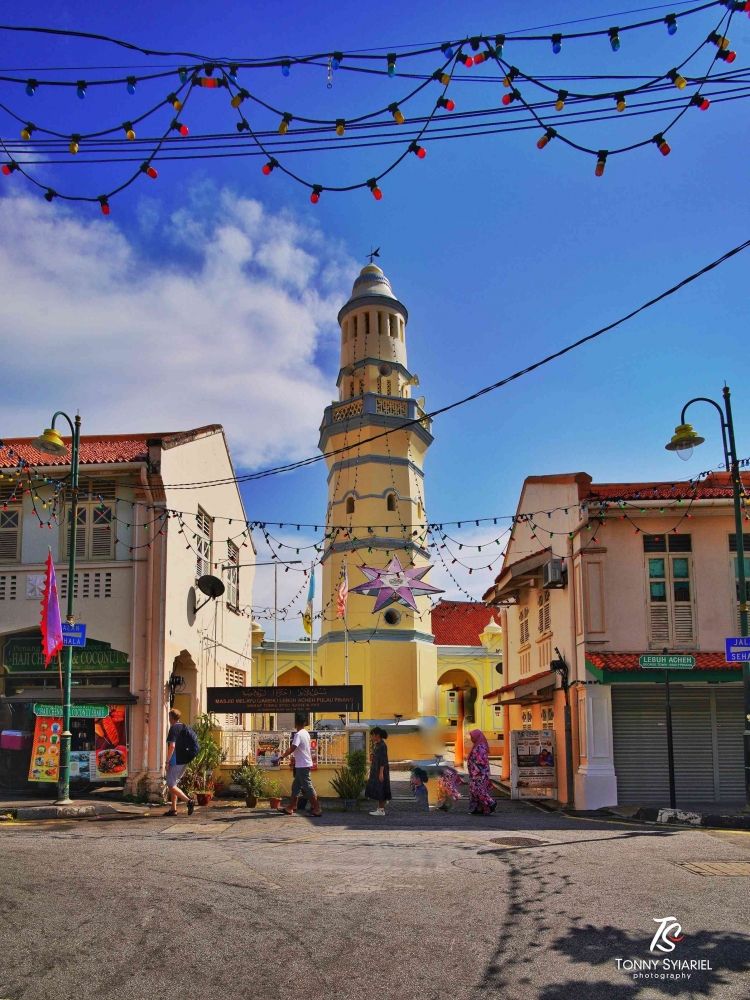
(51, 443)
(683, 442)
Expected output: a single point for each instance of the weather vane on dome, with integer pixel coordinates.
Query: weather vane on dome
(373, 253)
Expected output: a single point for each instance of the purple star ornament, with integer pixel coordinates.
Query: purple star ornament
(395, 585)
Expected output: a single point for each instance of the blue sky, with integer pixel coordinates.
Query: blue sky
(502, 253)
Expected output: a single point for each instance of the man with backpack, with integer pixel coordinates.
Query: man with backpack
(182, 747)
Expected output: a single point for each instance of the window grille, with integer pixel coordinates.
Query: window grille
(548, 718)
(233, 575)
(8, 587)
(527, 721)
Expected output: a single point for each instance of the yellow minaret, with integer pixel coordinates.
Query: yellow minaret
(376, 507)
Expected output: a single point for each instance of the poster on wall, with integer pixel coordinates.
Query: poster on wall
(314, 750)
(45, 753)
(533, 764)
(111, 745)
(268, 750)
(82, 764)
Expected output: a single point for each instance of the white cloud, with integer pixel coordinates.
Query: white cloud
(226, 330)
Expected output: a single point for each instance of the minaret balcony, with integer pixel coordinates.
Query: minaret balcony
(374, 410)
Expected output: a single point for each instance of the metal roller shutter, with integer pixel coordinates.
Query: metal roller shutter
(729, 712)
(707, 730)
(639, 735)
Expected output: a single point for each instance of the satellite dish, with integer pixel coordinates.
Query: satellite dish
(211, 586)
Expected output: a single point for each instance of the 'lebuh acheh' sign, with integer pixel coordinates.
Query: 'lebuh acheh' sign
(324, 698)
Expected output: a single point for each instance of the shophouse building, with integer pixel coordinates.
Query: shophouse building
(598, 577)
(144, 539)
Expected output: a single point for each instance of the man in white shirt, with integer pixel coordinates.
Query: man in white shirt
(302, 785)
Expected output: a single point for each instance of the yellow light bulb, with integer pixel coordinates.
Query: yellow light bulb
(130, 134)
(283, 127)
(399, 116)
(506, 81)
(340, 130)
(73, 147)
(621, 104)
(177, 105)
(445, 79)
(236, 100)
(680, 82)
(25, 134)
(559, 105)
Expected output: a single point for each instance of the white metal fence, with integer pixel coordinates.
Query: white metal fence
(332, 746)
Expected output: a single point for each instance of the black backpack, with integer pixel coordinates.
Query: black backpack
(187, 746)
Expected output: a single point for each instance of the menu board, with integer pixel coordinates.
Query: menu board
(45, 752)
(533, 770)
(111, 745)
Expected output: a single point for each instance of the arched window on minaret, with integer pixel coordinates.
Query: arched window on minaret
(390, 502)
(350, 505)
(345, 330)
(392, 328)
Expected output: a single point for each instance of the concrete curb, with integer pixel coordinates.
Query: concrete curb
(678, 816)
(77, 810)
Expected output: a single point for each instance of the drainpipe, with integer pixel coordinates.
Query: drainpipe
(570, 751)
(149, 632)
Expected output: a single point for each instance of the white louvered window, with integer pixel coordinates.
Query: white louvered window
(96, 530)
(671, 599)
(202, 543)
(10, 527)
(544, 618)
(94, 585)
(233, 576)
(235, 678)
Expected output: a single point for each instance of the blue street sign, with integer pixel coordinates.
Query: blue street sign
(73, 635)
(738, 649)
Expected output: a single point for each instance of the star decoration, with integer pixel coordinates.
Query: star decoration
(395, 585)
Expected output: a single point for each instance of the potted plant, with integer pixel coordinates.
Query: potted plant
(272, 789)
(350, 781)
(198, 778)
(250, 778)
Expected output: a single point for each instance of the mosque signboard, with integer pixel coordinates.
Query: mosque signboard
(320, 698)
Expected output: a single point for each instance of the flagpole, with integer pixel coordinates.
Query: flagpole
(312, 650)
(275, 625)
(346, 642)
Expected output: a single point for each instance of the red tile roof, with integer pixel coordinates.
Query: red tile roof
(520, 681)
(96, 449)
(629, 661)
(714, 487)
(460, 623)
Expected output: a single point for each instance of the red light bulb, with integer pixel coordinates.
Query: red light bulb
(421, 152)
(664, 148)
(705, 104)
(6, 169)
(376, 192)
(152, 173)
(267, 168)
(105, 208)
(450, 105)
(184, 130)
(469, 62)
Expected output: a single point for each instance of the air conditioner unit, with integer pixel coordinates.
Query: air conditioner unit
(553, 574)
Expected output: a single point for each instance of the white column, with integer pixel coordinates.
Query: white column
(595, 780)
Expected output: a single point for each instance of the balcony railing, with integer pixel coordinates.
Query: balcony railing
(332, 746)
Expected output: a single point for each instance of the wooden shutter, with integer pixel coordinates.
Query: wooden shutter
(659, 623)
(82, 520)
(102, 535)
(10, 534)
(684, 633)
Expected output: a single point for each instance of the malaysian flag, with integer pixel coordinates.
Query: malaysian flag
(342, 593)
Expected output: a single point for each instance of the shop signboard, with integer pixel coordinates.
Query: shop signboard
(268, 750)
(45, 751)
(322, 698)
(533, 764)
(23, 654)
(76, 711)
(652, 661)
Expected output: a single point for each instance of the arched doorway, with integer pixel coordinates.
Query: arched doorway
(295, 677)
(458, 695)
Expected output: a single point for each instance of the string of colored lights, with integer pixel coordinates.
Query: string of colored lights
(228, 79)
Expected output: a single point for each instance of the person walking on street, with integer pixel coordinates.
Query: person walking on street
(301, 784)
(379, 783)
(178, 758)
(481, 802)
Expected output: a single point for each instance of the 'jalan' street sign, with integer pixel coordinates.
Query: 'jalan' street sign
(73, 635)
(738, 649)
(666, 662)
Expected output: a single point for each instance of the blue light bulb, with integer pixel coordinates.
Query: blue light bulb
(81, 91)
(131, 86)
(285, 69)
(391, 69)
(614, 41)
(183, 73)
(672, 27)
(335, 63)
(448, 52)
(556, 47)
(31, 88)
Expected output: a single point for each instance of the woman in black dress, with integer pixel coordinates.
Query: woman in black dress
(379, 783)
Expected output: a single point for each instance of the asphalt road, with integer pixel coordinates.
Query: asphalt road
(245, 904)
